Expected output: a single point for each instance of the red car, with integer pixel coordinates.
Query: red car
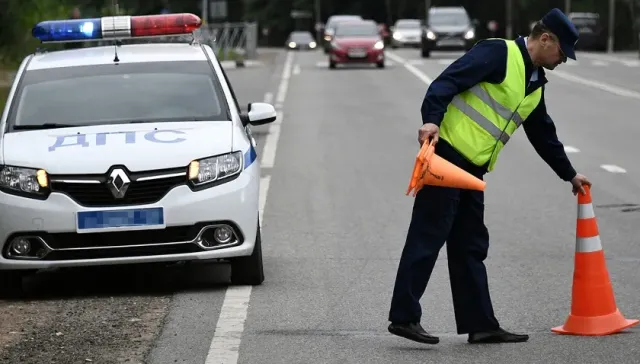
(356, 42)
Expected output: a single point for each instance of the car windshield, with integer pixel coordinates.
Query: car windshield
(335, 21)
(301, 37)
(581, 22)
(452, 18)
(408, 24)
(125, 93)
(356, 30)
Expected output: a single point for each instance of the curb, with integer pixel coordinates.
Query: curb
(240, 64)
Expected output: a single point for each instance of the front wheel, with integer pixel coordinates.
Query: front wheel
(11, 284)
(249, 270)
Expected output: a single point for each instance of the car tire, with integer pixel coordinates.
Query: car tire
(11, 284)
(332, 65)
(380, 64)
(425, 53)
(249, 270)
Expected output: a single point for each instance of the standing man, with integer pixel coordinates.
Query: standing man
(471, 110)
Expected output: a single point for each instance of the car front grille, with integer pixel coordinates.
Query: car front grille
(93, 192)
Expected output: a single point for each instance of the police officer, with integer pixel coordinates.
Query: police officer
(471, 110)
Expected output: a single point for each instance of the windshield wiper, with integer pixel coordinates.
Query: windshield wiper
(45, 126)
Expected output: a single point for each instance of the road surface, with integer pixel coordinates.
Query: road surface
(335, 168)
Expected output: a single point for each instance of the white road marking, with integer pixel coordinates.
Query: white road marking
(595, 84)
(416, 72)
(322, 64)
(633, 63)
(569, 149)
(599, 63)
(446, 62)
(619, 58)
(225, 345)
(296, 69)
(613, 168)
(268, 97)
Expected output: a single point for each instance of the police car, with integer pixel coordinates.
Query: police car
(127, 153)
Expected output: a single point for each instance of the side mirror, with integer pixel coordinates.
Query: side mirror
(259, 113)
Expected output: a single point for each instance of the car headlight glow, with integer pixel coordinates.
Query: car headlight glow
(292, 44)
(379, 45)
(431, 35)
(24, 180)
(208, 170)
(312, 45)
(469, 34)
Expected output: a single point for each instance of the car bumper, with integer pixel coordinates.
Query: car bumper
(448, 44)
(405, 42)
(188, 215)
(344, 56)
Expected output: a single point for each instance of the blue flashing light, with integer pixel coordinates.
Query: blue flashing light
(68, 30)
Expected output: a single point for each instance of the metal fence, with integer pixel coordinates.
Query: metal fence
(231, 40)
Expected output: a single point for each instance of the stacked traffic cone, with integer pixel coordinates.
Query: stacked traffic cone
(431, 169)
(593, 305)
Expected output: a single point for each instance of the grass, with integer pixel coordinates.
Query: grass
(230, 55)
(4, 92)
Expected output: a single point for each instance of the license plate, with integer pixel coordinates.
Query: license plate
(124, 219)
(449, 42)
(357, 54)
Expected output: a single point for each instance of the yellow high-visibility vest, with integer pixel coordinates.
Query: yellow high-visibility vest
(479, 122)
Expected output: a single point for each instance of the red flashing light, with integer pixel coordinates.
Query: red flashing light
(153, 25)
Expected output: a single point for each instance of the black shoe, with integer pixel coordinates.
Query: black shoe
(496, 337)
(413, 332)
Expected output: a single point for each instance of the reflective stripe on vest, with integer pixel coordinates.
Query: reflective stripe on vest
(485, 123)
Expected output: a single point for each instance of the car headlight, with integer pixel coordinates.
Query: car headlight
(469, 34)
(24, 181)
(378, 45)
(431, 35)
(312, 45)
(292, 44)
(206, 171)
(397, 36)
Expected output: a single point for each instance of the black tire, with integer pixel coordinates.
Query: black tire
(425, 53)
(332, 65)
(249, 270)
(11, 284)
(380, 64)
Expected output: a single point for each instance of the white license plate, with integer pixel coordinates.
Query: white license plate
(357, 54)
(449, 42)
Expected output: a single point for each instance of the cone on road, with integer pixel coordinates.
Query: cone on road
(431, 169)
(593, 305)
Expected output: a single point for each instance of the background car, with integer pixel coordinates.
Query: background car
(448, 28)
(330, 28)
(593, 33)
(300, 40)
(357, 42)
(406, 32)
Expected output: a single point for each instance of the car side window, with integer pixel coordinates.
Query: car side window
(233, 94)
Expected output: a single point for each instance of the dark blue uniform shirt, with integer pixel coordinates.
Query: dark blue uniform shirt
(487, 62)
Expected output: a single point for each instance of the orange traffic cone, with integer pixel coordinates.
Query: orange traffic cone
(593, 304)
(431, 169)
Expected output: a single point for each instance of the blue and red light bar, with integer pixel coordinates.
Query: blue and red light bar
(115, 27)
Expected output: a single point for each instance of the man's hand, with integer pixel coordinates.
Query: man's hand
(578, 181)
(428, 131)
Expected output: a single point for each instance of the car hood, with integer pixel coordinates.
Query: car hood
(357, 41)
(409, 32)
(94, 149)
(449, 28)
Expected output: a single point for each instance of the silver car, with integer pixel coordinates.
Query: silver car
(406, 32)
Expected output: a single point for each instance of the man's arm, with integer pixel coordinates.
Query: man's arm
(486, 61)
(541, 132)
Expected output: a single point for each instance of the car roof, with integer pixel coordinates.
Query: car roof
(127, 53)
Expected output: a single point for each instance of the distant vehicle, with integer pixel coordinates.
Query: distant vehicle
(593, 33)
(330, 28)
(357, 42)
(406, 32)
(301, 40)
(448, 28)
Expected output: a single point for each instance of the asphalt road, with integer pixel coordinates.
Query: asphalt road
(335, 168)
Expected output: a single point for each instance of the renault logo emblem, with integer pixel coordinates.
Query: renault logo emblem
(118, 183)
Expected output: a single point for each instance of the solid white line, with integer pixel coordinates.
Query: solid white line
(225, 345)
(268, 97)
(416, 72)
(613, 168)
(569, 149)
(270, 145)
(296, 70)
(595, 84)
(264, 189)
(599, 63)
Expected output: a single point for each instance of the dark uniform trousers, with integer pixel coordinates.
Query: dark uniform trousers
(456, 216)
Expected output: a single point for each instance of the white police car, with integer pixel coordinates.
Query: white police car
(127, 154)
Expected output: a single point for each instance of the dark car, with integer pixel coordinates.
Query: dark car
(593, 33)
(357, 42)
(300, 40)
(448, 28)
